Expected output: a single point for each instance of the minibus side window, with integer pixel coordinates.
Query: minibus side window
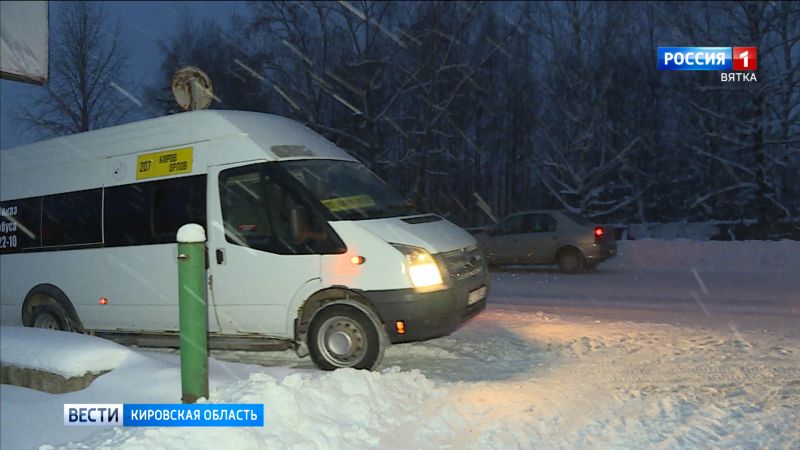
(151, 213)
(176, 203)
(243, 211)
(263, 212)
(20, 224)
(127, 215)
(73, 218)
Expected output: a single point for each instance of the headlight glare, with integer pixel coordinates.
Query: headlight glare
(422, 268)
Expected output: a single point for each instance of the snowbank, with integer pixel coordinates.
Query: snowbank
(306, 410)
(701, 231)
(66, 354)
(712, 255)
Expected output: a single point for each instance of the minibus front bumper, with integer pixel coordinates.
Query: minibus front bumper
(427, 315)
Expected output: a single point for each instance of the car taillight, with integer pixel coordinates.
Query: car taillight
(598, 233)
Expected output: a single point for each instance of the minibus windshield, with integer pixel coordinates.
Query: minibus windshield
(348, 189)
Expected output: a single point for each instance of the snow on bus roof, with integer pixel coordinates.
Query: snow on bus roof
(264, 130)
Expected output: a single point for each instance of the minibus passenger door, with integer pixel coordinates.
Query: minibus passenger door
(257, 262)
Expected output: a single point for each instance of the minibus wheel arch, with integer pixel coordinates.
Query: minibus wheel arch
(48, 295)
(330, 297)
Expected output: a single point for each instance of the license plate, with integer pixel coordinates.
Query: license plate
(476, 295)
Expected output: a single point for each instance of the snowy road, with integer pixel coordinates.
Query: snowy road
(694, 291)
(631, 358)
(517, 377)
(697, 300)
(704, 353)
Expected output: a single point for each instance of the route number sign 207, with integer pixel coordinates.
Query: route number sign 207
(162, 164)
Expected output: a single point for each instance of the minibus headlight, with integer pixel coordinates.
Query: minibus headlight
(422, 268)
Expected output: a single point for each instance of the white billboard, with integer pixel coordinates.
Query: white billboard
(24, 46)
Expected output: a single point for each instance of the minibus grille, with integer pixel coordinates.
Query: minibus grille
(463, 263)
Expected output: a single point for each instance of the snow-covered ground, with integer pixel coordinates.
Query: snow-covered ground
(672, 344)
(65, 354)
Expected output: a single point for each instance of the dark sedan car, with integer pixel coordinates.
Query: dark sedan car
(548, 237)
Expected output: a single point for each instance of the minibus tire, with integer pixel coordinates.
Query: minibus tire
(48, 317)
(52, 297)
(336, 337)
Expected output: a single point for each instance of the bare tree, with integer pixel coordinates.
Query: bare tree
(84, 92)
(585, 138)
(747, 132)
(325, 63)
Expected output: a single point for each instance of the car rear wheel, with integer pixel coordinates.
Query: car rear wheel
(342, 336)
(570, 260)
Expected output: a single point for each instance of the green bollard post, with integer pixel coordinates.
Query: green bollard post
(193, 312)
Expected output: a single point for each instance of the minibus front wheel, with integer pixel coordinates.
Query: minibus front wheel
(342, 336)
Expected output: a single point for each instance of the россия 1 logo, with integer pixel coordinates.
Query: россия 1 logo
(745, 58)
(739, 62)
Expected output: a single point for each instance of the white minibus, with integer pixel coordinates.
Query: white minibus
(306, 246)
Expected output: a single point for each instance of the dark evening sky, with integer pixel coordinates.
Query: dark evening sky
(144, 24)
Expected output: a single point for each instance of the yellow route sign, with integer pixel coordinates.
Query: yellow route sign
(162, 164)
(346, 203)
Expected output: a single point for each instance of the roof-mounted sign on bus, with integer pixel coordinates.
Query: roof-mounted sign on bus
(162, 164)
